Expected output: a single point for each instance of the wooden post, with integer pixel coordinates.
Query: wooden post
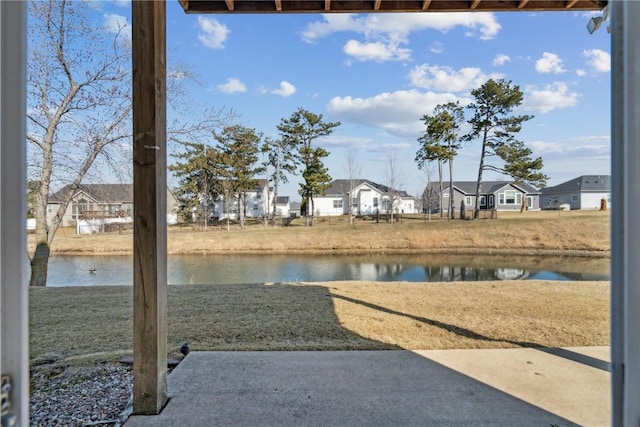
(150, 213)
(14, 336)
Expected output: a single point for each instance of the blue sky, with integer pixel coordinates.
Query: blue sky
(378, 74)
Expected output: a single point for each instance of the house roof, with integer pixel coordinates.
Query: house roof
(488, 187)
(282, 200)
(582, 184)
(112, 193)
(362, 6)
(340, 187)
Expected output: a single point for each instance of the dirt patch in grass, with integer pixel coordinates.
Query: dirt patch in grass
(96, 323)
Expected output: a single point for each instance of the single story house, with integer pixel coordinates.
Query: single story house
(365, 198)
(498, 195)
(101, 201)
(583, 192)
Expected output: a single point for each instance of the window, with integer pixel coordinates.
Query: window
(337, 204)
(529, 202)
(467, 200)
(574, 197)
(78, 208)
(259, 196)
(483, 201)
(354, 203)
(510, 197)
(50, 209)
(255, 206)
(491, 200)
(375, 202)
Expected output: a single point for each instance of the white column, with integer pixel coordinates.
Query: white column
(13, 194)
(625, 227)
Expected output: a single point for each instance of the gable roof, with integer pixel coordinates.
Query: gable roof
(111, 193)
(582, 184)
(340, 187)
(282, 200)
(488, 187)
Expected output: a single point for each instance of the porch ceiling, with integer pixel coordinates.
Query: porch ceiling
(368, 6)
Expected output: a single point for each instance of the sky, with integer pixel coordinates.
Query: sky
(378, 74)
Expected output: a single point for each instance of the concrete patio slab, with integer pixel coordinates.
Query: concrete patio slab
(378, 388)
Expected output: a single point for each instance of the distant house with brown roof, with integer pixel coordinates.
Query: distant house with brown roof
(100, 201)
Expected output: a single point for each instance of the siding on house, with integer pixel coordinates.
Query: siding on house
(96, 201)
(583, 192)
(367, 198)
(498, 195)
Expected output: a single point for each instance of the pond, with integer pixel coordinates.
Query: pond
(230, 269)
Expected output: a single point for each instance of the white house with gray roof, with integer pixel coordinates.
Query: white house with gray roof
(367, 198)
(583, 192)
(494, 195)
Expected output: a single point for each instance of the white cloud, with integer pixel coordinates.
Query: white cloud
(501, 59)
(549, 63)
(376, 51)
(598, 59)
(122, 3)
(212, 33)
(286, 89)
(580, 72)
(398, 112)
(437, 48)
(442, 78)
(233, 85)
(117, 24)
(393, 30)
(551, 97)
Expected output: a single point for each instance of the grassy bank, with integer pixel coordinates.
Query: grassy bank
(551, 232)
(96, 323)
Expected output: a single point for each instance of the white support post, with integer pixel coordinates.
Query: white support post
(625, 227)
(13, 252)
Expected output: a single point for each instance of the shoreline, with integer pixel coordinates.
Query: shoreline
(577, 253)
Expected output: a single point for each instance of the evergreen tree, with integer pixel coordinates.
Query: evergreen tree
(298, 132)
(440, 141)
(236, 164)
(316, 176)
(495, 125)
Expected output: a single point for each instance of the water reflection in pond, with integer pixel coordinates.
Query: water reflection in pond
(223, 269)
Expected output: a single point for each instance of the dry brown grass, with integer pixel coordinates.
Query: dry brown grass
(72, 322)
(529, 232)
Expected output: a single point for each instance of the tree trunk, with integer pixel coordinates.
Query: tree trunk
(441, 186)
(39, 265)
(313, 206)
(241, 210)
(451, 213)
(476, 210)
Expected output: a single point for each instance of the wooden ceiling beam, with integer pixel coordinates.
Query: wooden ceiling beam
(359, 6)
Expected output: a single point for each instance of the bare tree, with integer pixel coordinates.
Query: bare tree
(353, 169)
(79, 108)
(430, 196)
(394, 180)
